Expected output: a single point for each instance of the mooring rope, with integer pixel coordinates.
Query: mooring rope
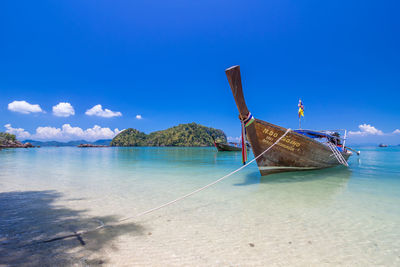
(102, 225)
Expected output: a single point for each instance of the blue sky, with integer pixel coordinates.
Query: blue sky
(165, 61)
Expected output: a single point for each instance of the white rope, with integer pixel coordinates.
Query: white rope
(210, 184)
(102, 225)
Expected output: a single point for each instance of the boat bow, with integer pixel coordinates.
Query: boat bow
(294, 152)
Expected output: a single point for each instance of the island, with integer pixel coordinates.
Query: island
(183, 135)
(8, 140)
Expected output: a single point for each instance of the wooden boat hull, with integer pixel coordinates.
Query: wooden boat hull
(294, 152)
(226, 147)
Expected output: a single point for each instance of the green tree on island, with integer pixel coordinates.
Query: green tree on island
(6, 138)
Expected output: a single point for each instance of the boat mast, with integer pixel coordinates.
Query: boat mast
(301, 112)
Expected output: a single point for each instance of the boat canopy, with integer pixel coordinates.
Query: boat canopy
(316, 134)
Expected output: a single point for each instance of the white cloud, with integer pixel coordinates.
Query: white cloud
(65, 133)
(24, 107)
(97, 110)
(397, 131)
(366, 129)
(97, 132)
(63, 109)
(19, 132)
(47, 133)
(139, 117)
(234, 139)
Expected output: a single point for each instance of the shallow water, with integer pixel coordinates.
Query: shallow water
(338, 216)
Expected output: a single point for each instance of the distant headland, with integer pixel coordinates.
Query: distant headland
(101, 142)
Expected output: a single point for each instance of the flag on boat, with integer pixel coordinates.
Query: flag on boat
(301, 108)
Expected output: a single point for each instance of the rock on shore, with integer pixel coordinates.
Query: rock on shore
(15, 144)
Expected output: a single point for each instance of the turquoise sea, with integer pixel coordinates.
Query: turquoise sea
(338, 216)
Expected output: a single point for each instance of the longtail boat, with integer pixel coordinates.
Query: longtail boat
(297, 150)
(228, 146)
